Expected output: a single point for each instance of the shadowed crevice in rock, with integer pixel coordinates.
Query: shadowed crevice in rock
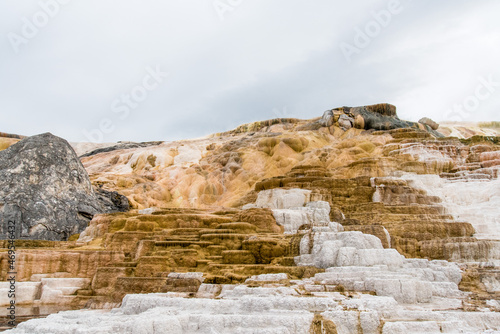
(46, 191)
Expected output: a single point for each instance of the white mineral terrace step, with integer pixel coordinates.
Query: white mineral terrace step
(261, 310)
(47, 291)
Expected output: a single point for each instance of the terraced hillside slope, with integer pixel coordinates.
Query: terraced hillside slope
(352, 222)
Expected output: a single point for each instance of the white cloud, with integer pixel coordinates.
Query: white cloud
(263, 55)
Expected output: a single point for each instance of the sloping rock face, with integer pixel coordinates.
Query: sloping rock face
(46, 192)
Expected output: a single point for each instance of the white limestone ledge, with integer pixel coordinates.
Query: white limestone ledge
(45, 291)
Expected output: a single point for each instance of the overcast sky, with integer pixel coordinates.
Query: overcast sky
(109, 70)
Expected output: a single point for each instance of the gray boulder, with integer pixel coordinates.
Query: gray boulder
(427, 121)
(345, 122)
(46, 191)
(327, 119)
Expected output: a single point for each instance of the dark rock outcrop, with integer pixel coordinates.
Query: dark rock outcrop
(112, 201)
(380, 116)
(46, 191)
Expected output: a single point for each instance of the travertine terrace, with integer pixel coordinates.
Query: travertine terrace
(354, 222)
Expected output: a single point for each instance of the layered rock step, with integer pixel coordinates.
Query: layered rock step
(133, 253)
(379, 206)
(450, 158)
(53, 260)
(472, 201)
(349, 255)
(358, 261)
